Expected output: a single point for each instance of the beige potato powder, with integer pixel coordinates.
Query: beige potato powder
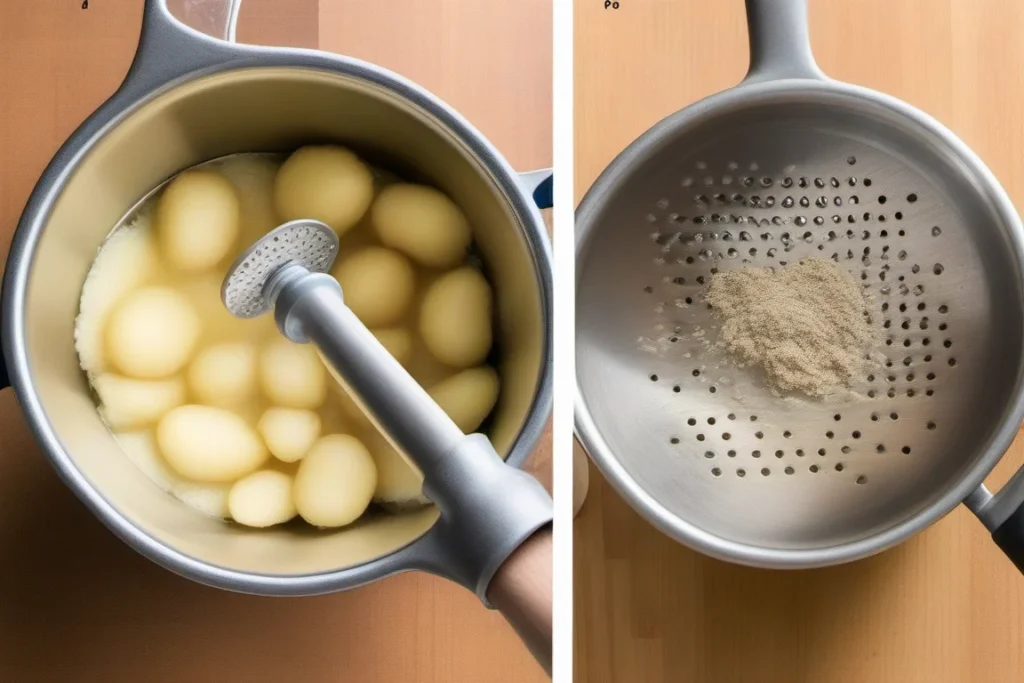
(806, 325)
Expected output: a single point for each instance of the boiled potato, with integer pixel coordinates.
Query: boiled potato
(468, 397)
(398, 481)
(291, 375)
(126, 261)
(377, 284)
(141, 449)
(326, 183)
(335, 481)
(423, 223)
(209, 444)
(253, 177)
(224, 374)
(127, 403)
(198, 218)
(455, 318)
(289, 432)
(262, 499)
(397, 341)
(152, 333)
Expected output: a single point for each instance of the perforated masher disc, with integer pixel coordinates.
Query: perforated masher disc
(305, 242)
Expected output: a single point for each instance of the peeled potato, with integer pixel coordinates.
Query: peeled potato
(131, 403)
(141, 449)
(423, 223)
(335, 481)
(198, 218)
(377, 283)
(327, 183)
(262, 499)
(223, 375)
(398, 481)
(152, 333)
(468, 397)
(209, 444)
(124, 263)
(397, 341)
(455, 318)
(253, 177)
(291, 375)
(289, 432)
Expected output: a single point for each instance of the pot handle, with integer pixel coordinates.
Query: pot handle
(198, 34)
(1003, 515)
(780, 42)
(539, 184)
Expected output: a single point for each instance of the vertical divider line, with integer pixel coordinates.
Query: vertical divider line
(564, 339)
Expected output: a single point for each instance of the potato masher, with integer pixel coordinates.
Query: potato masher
(488, 508)
(787, 165)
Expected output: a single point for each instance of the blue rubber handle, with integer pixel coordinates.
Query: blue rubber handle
(544, 194)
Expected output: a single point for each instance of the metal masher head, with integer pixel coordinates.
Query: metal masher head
(304, 242)
(766, 178)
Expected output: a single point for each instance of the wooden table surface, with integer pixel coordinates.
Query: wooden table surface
(944, 607)
(77, 604)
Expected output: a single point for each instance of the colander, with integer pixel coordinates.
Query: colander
(788, 165)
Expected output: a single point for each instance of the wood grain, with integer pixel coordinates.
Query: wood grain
(944, 607)
(77, 604)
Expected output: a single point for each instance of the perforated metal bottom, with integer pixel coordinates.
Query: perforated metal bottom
(307, 243)
(705, 437)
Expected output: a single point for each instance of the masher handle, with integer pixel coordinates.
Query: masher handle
(311, 308)
(488, 508)
(521, 591)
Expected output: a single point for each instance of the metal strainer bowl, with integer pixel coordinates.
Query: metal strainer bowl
(785, 166)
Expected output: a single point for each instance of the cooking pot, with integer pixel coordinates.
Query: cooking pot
(189, 98)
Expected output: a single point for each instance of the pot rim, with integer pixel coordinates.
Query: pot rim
(421, 553)
(631, 159)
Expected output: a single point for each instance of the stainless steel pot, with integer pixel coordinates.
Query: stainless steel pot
(788, 165)
(188, 98)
